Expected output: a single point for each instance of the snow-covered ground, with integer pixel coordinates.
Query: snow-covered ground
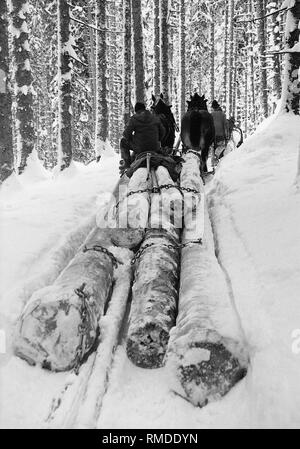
(43, 221)
(255, 212)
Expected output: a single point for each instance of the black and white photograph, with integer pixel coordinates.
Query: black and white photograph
(149, 217)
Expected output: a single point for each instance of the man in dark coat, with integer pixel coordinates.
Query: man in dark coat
(143, 134)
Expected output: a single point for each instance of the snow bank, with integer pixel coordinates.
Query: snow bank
(256, 216)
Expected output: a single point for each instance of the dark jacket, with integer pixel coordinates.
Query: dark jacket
(143, 133)
(221, 125)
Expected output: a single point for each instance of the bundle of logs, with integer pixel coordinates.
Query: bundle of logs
(196, 334)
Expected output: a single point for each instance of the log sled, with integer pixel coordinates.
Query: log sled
(180, 314)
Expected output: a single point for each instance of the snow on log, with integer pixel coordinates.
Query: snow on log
(206, 353)
(193, 213)
(166, 208)
(132, 212)
(155, 290)
(59, 325)
(154, 300)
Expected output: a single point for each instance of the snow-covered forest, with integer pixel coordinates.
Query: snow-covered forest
(188, 315)
(82, 64)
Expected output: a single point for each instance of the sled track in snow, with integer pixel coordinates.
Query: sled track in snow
(243, 254)
(227, 278)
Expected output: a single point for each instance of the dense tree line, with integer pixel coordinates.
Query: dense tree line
(70, 71)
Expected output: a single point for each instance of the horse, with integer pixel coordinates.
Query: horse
(197, 128)
(163, 111)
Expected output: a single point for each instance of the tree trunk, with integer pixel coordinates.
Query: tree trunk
(6, 138)
(262, 43)
(234, 78)
(101, 79)
(231, 58)
(199, 78)
(207, 359)
(193, 202)
(139, 66)
(212, 57)
(154, 294)
(127, 62)
(113, 77)
(64, 86)
(59, 325)
(164, 49)
(22, 84)
(276, 43)
(154, 301)
(130, 218)
(246, 96)
(182, 62)
(92, 62)
(156, 72)
(291, 94)
(251, 63)
(225, 82)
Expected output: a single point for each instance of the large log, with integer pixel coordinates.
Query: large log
(206, 353)
(155, 294)
(193, 212)
(59, 325)
(131, 214)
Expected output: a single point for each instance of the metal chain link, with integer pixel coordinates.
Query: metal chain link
(140, 252)
(82, 328)
(192, 242)
(190, 190)
(158, 189)
(165, 245)
(101, 249)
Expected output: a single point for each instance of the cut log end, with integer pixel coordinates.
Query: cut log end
(48, 334)
(146, 347)
(215, 373)
(128, 238)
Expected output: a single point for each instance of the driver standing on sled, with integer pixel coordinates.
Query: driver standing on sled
(143, 134)
(221, 128)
